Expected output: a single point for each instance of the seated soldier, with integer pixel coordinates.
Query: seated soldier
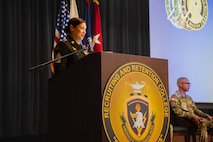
(184, 106)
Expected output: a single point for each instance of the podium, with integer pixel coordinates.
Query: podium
(75, 95)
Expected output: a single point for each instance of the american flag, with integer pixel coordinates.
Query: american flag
(62, 21)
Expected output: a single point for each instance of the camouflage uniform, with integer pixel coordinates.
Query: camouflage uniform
(184, 106)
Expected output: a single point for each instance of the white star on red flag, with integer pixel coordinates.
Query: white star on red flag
(97, 38)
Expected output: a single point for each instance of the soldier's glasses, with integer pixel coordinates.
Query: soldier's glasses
(186, 83)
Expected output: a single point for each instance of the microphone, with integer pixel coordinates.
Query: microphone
(56, 59)
(89, 44)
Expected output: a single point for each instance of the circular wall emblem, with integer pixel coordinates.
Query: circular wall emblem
(135, 105)
(187, 14)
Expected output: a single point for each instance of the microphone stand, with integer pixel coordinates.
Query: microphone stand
(48, 62)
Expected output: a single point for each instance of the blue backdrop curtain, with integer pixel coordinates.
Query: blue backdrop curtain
(26, 39)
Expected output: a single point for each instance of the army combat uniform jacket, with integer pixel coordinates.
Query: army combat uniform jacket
(184, 106)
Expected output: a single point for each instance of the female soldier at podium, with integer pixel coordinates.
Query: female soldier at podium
(70, 50)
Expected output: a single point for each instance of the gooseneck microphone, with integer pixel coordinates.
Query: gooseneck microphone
(56, 59)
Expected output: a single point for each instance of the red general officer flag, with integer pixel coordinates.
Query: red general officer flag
(97, 38)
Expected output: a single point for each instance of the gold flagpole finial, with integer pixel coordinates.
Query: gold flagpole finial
(96, 1)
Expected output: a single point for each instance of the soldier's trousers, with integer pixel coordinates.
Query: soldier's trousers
(203, 127)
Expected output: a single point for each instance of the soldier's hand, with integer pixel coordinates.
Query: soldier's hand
(197, 119)
(210, 117)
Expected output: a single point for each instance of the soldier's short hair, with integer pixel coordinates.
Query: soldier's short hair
(180, 79)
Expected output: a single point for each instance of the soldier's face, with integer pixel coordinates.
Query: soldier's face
(79, 31)
(185, 84)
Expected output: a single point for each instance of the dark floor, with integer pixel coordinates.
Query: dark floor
(40, 138)
(181, 139)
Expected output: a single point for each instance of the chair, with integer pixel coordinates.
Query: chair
(180, 131)
(183, 127)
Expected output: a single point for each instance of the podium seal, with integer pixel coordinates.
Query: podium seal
(135, 105)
